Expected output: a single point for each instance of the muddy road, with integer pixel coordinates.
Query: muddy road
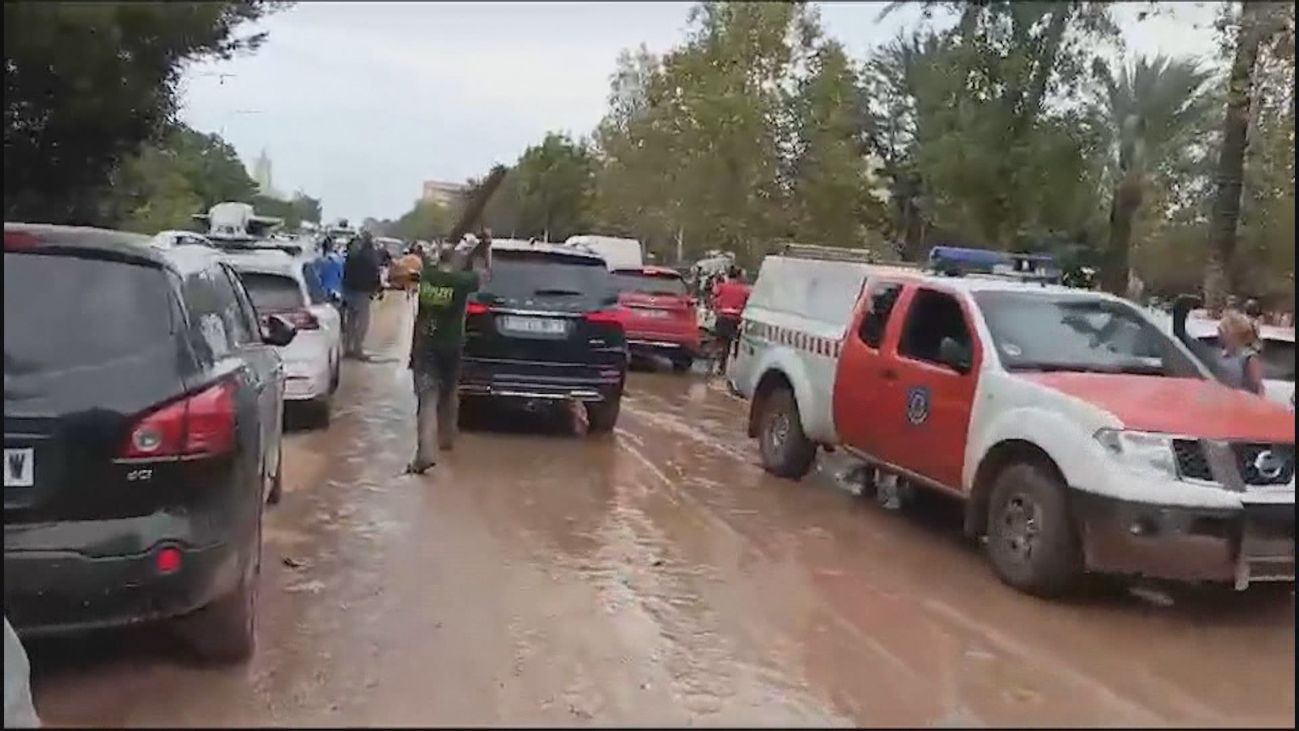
(657, 576)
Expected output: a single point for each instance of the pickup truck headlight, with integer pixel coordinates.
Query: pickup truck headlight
(1140, 451)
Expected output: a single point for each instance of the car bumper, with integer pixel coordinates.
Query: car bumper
(1251, 544)
(655, 345)
(306, 381)
(536, 380)
(51, 591)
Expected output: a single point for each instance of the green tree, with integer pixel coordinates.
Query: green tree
(553, 182)
(425, 221)
(985, 147)
(700, 140)
(832, 188)
(1256, 24)
(86, 84)
(1155, 110)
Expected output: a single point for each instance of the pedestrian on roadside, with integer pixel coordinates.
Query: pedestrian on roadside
(1235, 360)
(405, 272)
(437, 342)
(331, 271)
(729, 297)
(1239, 359)
(361, 283)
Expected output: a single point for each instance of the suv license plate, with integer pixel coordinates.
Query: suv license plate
(657, 314)
(532, 325)
(19, 467)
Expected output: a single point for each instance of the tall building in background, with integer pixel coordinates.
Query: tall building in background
(441, 192)
(262, 175)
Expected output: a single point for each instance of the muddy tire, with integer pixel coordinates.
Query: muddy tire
(786, 450)
(1032, 543)
(319, 412)
(277, 482)
(335, 376)
(682, 363)
(225, 631)
(602, 416)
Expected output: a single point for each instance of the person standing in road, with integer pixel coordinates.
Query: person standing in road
(405, 272)
(438, 341)
(331, 271)
(729, 297)
(361, 283)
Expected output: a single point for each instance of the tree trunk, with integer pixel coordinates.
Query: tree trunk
(1231, 159)
(1124, 203)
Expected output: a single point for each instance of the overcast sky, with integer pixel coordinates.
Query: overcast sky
(358, 103)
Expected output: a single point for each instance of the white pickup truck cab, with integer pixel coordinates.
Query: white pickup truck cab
(1080, 437)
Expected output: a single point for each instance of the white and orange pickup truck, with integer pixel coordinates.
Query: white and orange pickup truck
(1079, 435)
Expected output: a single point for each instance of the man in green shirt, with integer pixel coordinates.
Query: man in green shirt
(438, 341)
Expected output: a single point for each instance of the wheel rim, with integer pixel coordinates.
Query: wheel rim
(778, 427)
(1021, 524)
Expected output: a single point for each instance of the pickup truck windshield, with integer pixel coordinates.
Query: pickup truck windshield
(1054, 332)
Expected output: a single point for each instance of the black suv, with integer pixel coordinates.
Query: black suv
(142, 424)
(546, 326)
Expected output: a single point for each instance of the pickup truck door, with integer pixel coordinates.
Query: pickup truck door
(924, 410)
(862, 375)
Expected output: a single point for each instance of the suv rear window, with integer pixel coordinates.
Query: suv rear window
(66, 312)
(272, 292)
(663, 285)
(536, 275)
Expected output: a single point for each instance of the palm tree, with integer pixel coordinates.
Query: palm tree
(1153, 109)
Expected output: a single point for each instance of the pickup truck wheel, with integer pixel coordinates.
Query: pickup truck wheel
(319, 411)
(786, 450)
(1031, 540)
(601, 416)
(682, 363)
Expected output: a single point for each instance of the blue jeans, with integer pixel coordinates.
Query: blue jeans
(356, 321)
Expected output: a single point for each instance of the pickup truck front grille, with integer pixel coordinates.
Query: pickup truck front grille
(1258, 464)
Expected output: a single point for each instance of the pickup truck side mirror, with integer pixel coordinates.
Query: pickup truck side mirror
(278, 332)
(954, 355)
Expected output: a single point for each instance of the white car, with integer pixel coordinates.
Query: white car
(286, 285)
(1277, 352)
(1276, 355)
(168, 239)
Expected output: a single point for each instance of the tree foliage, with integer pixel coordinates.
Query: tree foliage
(86, 84)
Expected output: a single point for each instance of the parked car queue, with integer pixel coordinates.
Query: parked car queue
(146, 385)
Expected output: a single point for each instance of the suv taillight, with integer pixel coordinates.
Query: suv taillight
(202, 425)
(606, 317)
(476, 308)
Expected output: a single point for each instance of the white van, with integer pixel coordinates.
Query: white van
(618, 253)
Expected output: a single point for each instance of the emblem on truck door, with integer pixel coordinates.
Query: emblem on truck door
(1269, 464)
(917, 405)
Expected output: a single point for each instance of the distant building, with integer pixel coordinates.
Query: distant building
(262, 175)
(442, 192)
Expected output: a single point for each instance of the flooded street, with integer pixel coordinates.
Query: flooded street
(654, 576)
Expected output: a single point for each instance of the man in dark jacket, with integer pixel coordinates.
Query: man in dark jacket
(360, 284)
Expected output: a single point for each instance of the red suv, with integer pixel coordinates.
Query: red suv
(658, 314)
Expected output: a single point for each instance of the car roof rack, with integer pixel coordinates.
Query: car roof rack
(835, 253)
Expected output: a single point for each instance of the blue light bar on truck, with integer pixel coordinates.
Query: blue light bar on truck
(961, 260)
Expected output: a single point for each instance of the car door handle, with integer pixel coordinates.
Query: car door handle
(889, 374)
